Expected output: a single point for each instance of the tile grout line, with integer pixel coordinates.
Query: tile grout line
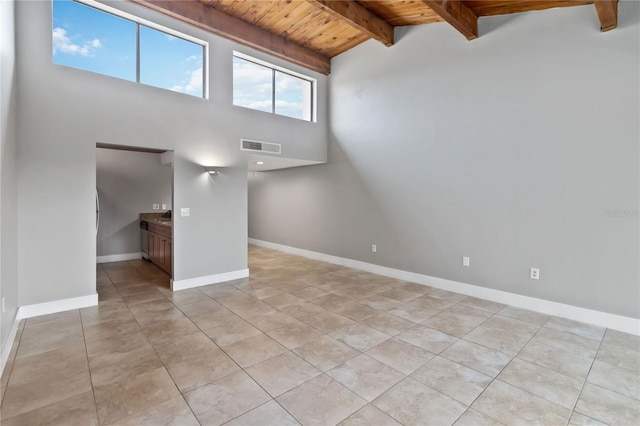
(163, 364)
(586, 377)
(86, 353)
(502, 369)
(147, 340)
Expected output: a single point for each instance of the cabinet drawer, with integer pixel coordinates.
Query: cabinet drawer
(160, 230)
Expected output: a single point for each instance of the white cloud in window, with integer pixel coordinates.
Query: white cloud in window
(63, 43)
(192, 84)
(251, 85)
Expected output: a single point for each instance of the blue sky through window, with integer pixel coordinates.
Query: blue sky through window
(93, 40)
(170, 62)
(255, 85)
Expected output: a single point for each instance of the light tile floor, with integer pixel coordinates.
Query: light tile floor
(312, 343)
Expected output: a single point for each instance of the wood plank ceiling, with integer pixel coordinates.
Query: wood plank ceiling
(311, 32)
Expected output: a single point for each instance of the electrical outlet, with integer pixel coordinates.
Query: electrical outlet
(535, 273)
(164, 206)
(374, 248)
(465, 261)
(156, 206)
(185, 211)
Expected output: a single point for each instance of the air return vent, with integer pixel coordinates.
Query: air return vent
(249, 145)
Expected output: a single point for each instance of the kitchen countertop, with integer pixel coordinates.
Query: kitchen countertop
(155, 219)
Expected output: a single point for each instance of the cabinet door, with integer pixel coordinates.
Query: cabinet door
(169, 254)
(152, 247)
(161, 250)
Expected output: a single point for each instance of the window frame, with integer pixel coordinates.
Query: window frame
(314, 83)
(141, 21)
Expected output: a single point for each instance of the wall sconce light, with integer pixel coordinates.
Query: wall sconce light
(213, 170)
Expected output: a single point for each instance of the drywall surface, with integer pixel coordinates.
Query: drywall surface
(64, 112)
(519, 150)
(128, 183)
(8, 148)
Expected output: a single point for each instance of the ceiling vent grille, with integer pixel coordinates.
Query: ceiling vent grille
(249, 145)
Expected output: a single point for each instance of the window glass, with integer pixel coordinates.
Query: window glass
(293, 96)
(170, 62)
(252, 85)
(109, 43)
(92, 40)
(271, 89)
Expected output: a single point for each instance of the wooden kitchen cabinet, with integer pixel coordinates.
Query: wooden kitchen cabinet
(160, 245)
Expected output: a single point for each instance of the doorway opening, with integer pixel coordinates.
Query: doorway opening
(134, 220)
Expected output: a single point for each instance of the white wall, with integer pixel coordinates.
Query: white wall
(128, 183)
(510, 149)
(64, 112)
(8, 141)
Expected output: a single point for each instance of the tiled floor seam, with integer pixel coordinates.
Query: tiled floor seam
(86, 352)
(586, 377)
(154, 350)
(493, 379)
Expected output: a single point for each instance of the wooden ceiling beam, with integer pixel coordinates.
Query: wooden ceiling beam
(227, 26)
(607, 13)
(358, 17)
(456, 13)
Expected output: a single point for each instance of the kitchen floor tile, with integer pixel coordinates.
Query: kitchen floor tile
(268, 414)
(121, 399)
(556, 359)
(366, 376)
(452, 379)
(226, 398)
(282, 373)
(480, 358)
(497, 339)
(185, 347)
(510, 405)
(541, 381)
(24, 397)
(426, 338)
(77, 410)
(199, 371)
(607, 406)
(400, 355)
(321, 401)
(369, 415)
(472, 417)
(294, 335)
(359, 336)
(388, 324)
(254, 350)
(326, 353)
(412, 403)
(232, 332)
(622, 380)
(174, 411)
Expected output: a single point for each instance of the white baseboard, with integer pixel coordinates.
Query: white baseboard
(208, 279)
(118, 257)
(6, 349)
(590, 316)
(56, 306)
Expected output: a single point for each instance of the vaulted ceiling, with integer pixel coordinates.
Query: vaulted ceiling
(311, 32)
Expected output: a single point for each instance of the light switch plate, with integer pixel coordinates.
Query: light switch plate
(164, 207)
(185, 211)
(465, 261)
